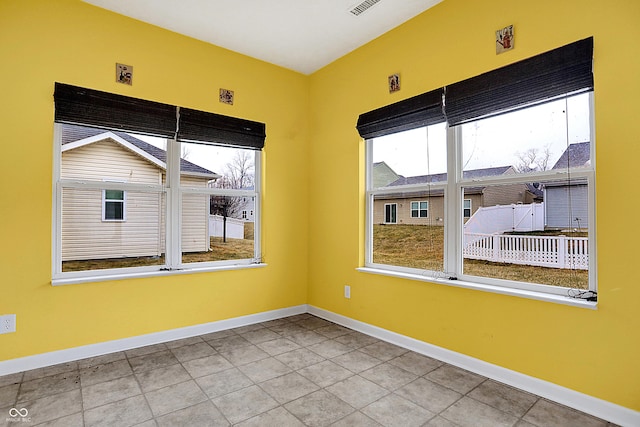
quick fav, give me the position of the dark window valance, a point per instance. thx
(565, 70)
(202, 126)
(81, 106)
(419, 111)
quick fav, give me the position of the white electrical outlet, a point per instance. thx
(7, 323)
(347, 291)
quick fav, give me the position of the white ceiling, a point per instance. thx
(302, 35)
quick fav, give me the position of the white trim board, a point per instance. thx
(76, 353)
(591, 405)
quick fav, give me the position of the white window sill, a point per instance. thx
(155, 273)
(540, 296)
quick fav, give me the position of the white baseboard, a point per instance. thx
(68, 355)
(591, 405)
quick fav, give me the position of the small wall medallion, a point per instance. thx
(504, 39)
(124, 74)
(394, 83)
(226, 96)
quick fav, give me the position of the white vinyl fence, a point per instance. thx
(235, 227)
(543, 251)
(501, 218)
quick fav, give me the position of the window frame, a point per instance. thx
(122, 201)
(454, 220)
(173, 193)
(419, 209)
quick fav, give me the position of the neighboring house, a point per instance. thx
(98, 224)
(247, 209)
(383, 175)
(566, 203)
(427, 207)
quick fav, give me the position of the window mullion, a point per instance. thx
(172, 243)
(452, 224)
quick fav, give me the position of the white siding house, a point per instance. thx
(98, 224)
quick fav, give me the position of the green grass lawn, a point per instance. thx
(421, 246)
(220, 251)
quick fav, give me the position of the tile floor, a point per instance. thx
(297, 371)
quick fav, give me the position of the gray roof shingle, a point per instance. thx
(576, 155)
(72, 133)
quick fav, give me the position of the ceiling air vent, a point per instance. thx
(362, 7)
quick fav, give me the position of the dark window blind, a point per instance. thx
(558, 72)
(88, 107)
(77, 105)
(199, 126)
(411, 113)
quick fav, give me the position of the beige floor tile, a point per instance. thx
(92, 362)
(388, 376)
(46, 386)
(53, 407)
(429, 395)
(468, 412)
(393, 410)
(50, 370)
(11, 379)
(333, 331)
(243, 355)
(383, 350)
(503, 397)
(440, 422)
(329, 348)
(152, 361)
(224, 382)
(203, 414)
(73, 420)
(278, 346)
(184, 341)
(8, 395)
(306, 338)
(357, 391)
(287, 329)
(356, 361)
(288, 387)
(549, 414)
(320, 408)
(325, 373)
(279, 417)
(206, 365)
(108, 371)
(416, 363)
(260, 336)
(244, 404)
(301, 358)
(455, 378)
(193, 351)
(174, 397)
(124, 413)
(357, 419)
(264, 369)
(162, 377)
(149, 349)
(109, 391)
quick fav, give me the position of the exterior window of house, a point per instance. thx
(113, 205)
(390, 213)
(466, 208)
(156, 198)
(419, 209)
(524, 168)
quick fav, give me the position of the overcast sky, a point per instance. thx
(491, 142)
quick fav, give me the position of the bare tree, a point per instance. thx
(239, 174)
(533, 159)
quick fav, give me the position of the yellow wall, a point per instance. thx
(594, 352)
(313, 180)
(68, 41)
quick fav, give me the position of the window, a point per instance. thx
(244, 214)
(466, 208)
(505, 163)
(113, 205)
(390, 213)
(150, 199)
(419, 209)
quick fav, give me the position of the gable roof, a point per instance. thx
(82, 135)
(442, 177)
(576, 155)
